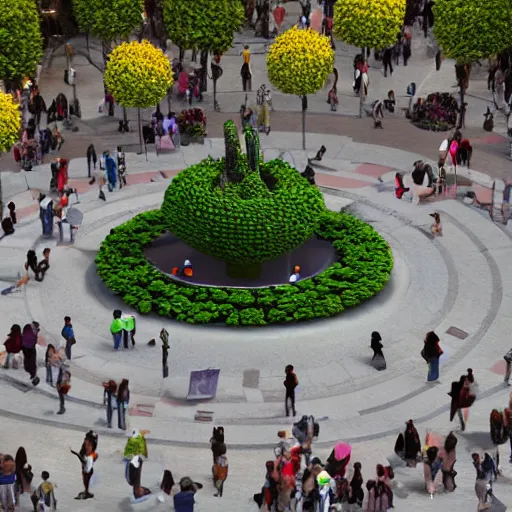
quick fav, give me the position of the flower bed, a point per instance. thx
(438, 112)
(192, 124)
(363, 268)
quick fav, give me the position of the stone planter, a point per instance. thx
(191, 139)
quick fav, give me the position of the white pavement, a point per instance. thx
(460, 280)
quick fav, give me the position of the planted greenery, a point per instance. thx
(245, 222)
(10, 122)
(369, 23)
(203, 24)
(138, 74)
(363, 267)
(21, 45)
(471, 30)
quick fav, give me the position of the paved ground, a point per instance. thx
(433, 286)
(458, 281)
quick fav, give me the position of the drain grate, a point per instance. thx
(457, 333)
(21, 386)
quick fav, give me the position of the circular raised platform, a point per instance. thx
(168, 251)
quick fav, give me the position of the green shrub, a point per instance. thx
(245, 222)
(362, 269)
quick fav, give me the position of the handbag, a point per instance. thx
(423, 355)
(508, 356)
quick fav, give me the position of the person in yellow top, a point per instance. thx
(245, 71)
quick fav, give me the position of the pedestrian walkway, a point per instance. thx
(433, 286)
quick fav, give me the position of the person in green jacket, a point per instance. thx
(129, 329)
(116, 328)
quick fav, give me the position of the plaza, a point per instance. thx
(458, 285)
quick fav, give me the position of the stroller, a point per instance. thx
(30, 155)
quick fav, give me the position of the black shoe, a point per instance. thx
(102, 196)
(92, 181)
(62, 411)
(35, 381)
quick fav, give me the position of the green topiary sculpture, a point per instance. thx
(227, 209)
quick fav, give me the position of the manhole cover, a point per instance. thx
(457, 333)
(251, 379)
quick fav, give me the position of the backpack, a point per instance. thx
(488, 464)
(499, 433)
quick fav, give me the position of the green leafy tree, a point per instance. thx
(369, 23)
(109, 20)
(21, 45)
(203, 24)
(470, 30)
(10, 122)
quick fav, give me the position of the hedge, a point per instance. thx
(363, 267)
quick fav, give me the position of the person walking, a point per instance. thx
(123, 401)
(109, 399)
(68, 334)
(45, 494)
(290, 383)
(220, 473)
(12, 344)
(507, 421)
(508, 361)
(463, 395)
(449, 459)
(28, 343)
(245, 71)
(387, 58)
(378, 361)
(116, 328)
(431, 353)
(49, 362)
(110, 171)
(92, 159)
(480, 483)
(63, 386)
(355, 492)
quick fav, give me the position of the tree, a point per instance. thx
(138, 75)
(471, 30)
(109, 20)
(299, 62)
(204, 25)
(368, 24)
(21, 44)
(10, 122)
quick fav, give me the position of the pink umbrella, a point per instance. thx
(342, 450)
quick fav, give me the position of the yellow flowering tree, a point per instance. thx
(369, 23)
(138, 75)
(10, 122)
(299, 62)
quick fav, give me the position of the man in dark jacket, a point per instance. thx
(290, 383)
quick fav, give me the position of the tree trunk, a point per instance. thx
(139, 127)
(304, 108)
(204, 71)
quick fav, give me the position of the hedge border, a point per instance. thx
(363, 268)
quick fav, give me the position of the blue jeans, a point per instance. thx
(433, 369)
(118, 336)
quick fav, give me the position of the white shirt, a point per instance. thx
(444, 145)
